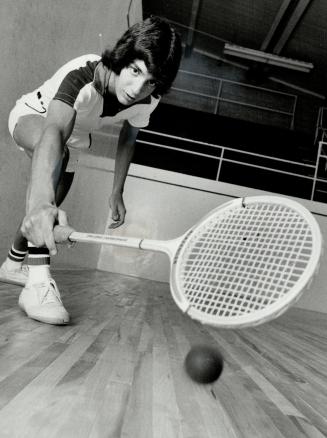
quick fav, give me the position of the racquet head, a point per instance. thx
(246, 262)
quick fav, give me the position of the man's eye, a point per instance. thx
(134, 70)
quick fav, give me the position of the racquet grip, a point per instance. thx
(62, 233)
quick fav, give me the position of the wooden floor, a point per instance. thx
(117, 370)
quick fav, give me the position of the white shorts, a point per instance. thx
(22, 109)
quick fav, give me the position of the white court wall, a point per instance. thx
(36, 38)
(160, 205)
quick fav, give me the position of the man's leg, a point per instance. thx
(40, 298)
(13, 270)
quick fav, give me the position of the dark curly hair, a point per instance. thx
(153, 41)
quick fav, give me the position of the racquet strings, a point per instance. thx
(246, 259)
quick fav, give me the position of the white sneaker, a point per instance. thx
(18, 276)
(41, 301)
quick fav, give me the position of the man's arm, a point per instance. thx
(125, 151)
(41, 209)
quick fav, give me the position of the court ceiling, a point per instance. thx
(295, 29)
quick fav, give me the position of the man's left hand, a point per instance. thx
(118, 210)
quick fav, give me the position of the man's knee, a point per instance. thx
(28, 131)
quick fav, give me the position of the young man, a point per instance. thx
(53, 123)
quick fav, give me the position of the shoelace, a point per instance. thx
(51, 294)
(24, 269)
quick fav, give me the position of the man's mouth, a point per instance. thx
(129, 98)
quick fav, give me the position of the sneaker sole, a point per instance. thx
(45, 320)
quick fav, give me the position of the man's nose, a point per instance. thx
(137, 87)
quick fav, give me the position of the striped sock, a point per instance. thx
(15, 255)
(15, 259)
(38, 264)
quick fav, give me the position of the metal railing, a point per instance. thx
(221, 152)
(218, 98)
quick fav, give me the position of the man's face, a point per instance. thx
(134, 83)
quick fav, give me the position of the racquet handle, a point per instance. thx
(66, 234)
(62, 234)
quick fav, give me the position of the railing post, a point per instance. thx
(220, 163)
(218, 96)
(293, 114)
(316, 171)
